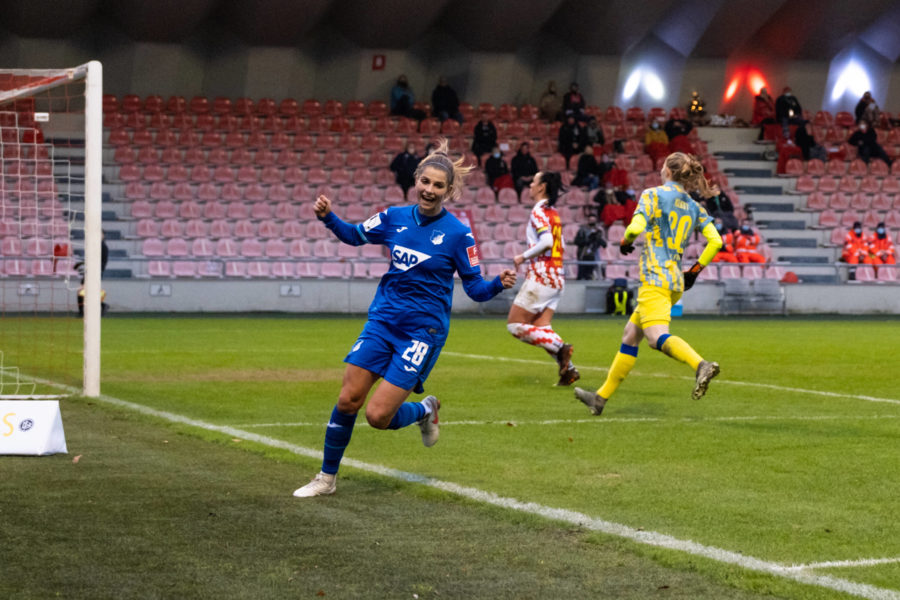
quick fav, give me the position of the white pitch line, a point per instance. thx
(718, 381)
(651, 538)
(863, 562)
(602, 421)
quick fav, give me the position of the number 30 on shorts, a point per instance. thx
(416, 353)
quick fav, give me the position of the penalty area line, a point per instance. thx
(556, 514)
(718, 381)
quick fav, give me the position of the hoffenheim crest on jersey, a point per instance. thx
(406, 258)
(437, 237)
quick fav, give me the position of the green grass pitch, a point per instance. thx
(791, 458)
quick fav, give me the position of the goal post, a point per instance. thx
(51, 152)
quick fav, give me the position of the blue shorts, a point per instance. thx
(402, 359)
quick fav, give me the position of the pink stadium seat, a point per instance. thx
(816, 201)
(860, 201)
(858, 168)
(285, 211)
(891, 185)
(864, 273)
(870, 184)
(881, 201)
(220, 228)
(196, 228)
(839, 201)
(887, 274)
(847, 184)
(171, 228)
(269, 229)
(827, 184)
(141, 209)
(849, 217)
(878, 168)
(177, 247)
(153, 247)
(226, 248)
(147, 228)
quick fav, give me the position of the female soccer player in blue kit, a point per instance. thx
(670, 216)
(409, 317)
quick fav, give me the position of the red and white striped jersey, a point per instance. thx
(546, 268)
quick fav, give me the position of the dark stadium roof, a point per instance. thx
(799, 29)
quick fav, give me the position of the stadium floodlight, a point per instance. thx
(853, 79)
(51, 128)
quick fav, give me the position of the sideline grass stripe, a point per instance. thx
(603, 421)
(557, 514)
(719, 381)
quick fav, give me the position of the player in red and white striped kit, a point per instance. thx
(532, 310)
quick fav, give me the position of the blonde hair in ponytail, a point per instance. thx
(688, 171)
(456, 171)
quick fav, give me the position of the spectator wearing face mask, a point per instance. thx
(856, 248)
(726, 254)
(881, 248)
(497, 171)
(866, 142)
(746, 245)
(656, 141)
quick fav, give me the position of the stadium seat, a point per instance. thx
(870, 184)
(827, 184)
(219, 229)
(196, 228)
(887, 274)
(816, 201)
(153, 247)
(171, 228)
(864, 273)
(849, 217)
(839, 201)
(255, 193)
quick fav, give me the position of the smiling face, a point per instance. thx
(431, 189)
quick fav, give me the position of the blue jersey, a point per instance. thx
(416, 293)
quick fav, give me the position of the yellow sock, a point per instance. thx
(621, 366)
(679, 349)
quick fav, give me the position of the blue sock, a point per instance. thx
(337, 436)
(407, 414)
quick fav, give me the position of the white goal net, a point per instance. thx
(50, 219)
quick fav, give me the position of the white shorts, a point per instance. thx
(535, 297)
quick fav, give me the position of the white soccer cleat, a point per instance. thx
(429, 425)
(322, 484)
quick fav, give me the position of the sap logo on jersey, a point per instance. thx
(406, 258)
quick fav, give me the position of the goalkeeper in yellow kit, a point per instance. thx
(669, 216)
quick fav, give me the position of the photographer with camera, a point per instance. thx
(588, 239)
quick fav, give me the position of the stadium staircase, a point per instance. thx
(795, 245)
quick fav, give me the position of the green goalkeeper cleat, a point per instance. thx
(705, 372)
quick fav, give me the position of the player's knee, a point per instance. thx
(377, 420)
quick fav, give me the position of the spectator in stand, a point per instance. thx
(763, 111)
(678, 130)
(746, 244)
(445, 102)
(856, 248)
(696, 109)
(881, 248)
(403, 100)
(720, 206)
(788, 111)
(805, 140)
(866, 142)
(594, 133)
(404, 167)
(550, 104)
(574, 104)
(572, 138)
(604, 166)
(656, 141)
(867, 110)
(587, 240)
(485, 137)
(619, 207)
(586, 173)
(726, 254)
(497, 171)
(523, 167)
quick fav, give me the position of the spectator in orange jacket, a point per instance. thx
(881, 247)
(746, 244)
(856, 248)
(726, 254)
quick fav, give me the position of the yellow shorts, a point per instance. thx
(654, 306)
